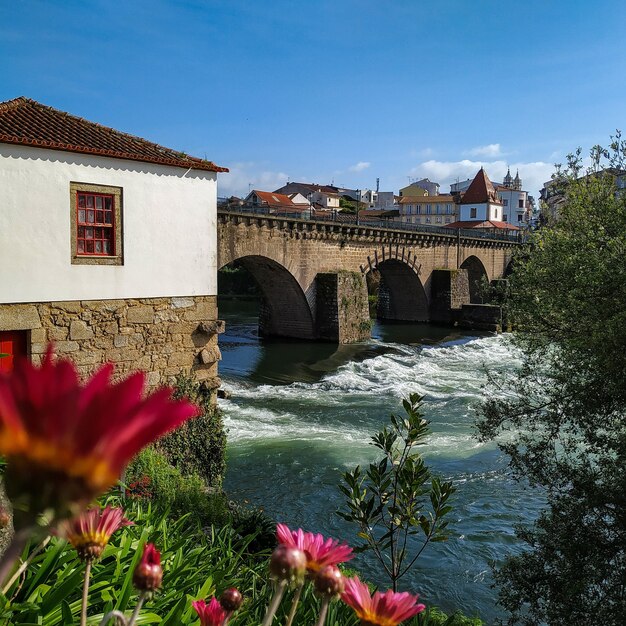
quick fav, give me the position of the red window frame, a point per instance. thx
(13, 343)
(95, 224)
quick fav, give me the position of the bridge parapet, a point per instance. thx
(348, 226)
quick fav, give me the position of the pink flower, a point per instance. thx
(148, 574)
(211, 614)
(319, 552)
(381, 609)
(90, 532)
(67, 442)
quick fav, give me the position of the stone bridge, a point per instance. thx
(313, 274)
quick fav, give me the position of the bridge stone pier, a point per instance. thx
(313, 274)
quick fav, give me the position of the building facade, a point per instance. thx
(434, 210)
(108, 245)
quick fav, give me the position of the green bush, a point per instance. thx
(199, 445)
(150, 477)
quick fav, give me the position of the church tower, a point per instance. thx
(517, 182)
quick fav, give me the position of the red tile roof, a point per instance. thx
(26, 122)
(276, 200)
(481, 190)
(488, 224)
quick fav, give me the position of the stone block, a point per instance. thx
(180, 359)
(203, 311)
(153, 379)
(63, 347)
(38, 335)
(58, 333)
(19, 317)
(210, 354)
(212, 327)
(120, 341)
(140, 315)
(70, 306)
(182, 303)
(80, 331)
(87, 357)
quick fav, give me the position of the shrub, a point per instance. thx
(199, 445)
(149, 476)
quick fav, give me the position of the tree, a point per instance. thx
(398, 498)
(564, 411)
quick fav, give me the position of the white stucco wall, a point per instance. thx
(169, 228)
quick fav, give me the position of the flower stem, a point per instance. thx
(323, 610)
(135, 614)
(294, 605)
(118, 615)
(13, 551)
(83, 606)
(25, 564)
(274, 604)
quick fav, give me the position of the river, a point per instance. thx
(303, 413)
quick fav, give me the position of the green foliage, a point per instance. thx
(435, 617)
(195, 565)
(397, 499)
(199, 445)
(235, 280)
(150, 477)
(564, 412)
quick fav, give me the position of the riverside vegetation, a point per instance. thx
(155, 551)
(564, 412)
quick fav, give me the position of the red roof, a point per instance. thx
(276, 200)
(26, 122)
(488, 224)
(481, 190)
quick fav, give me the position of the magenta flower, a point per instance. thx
(381, 609)
(66, 441)
(148, 574)
(90, 531)
(319, 552)
(211, 614)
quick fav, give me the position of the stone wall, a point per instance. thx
(450, 290)
(162, 336)
(342, 307)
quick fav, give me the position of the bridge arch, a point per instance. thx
(401, 295)
(284, 310)
(477, 274)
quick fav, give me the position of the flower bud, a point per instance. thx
(231, 599)
(148, 574)
(288, 564)
(329, 582)
(5, 518)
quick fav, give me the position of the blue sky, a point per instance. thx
(332, 90)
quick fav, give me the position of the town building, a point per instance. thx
(481, 201)
(420, 187)
(108, 247)
(434, 210)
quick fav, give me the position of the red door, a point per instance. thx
(12, 344)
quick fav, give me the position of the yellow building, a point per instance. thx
(434, 210)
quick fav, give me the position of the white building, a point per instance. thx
(108, 246)
(481, 203)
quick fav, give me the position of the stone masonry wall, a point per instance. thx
(342, 307)
(162, 336)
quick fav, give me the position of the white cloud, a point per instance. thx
(490, 150)
(360, 166)
(533, 174)
(245, 176)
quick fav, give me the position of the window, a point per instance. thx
(438, 219)
(428, 209)
(448, 209)
(448, 220)
(427, 220)
(505, 218)
(472, 212)
(520, 203)
(96, 222)
(505, 202)
(13, 344)
(519, 218)
(418, 209)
